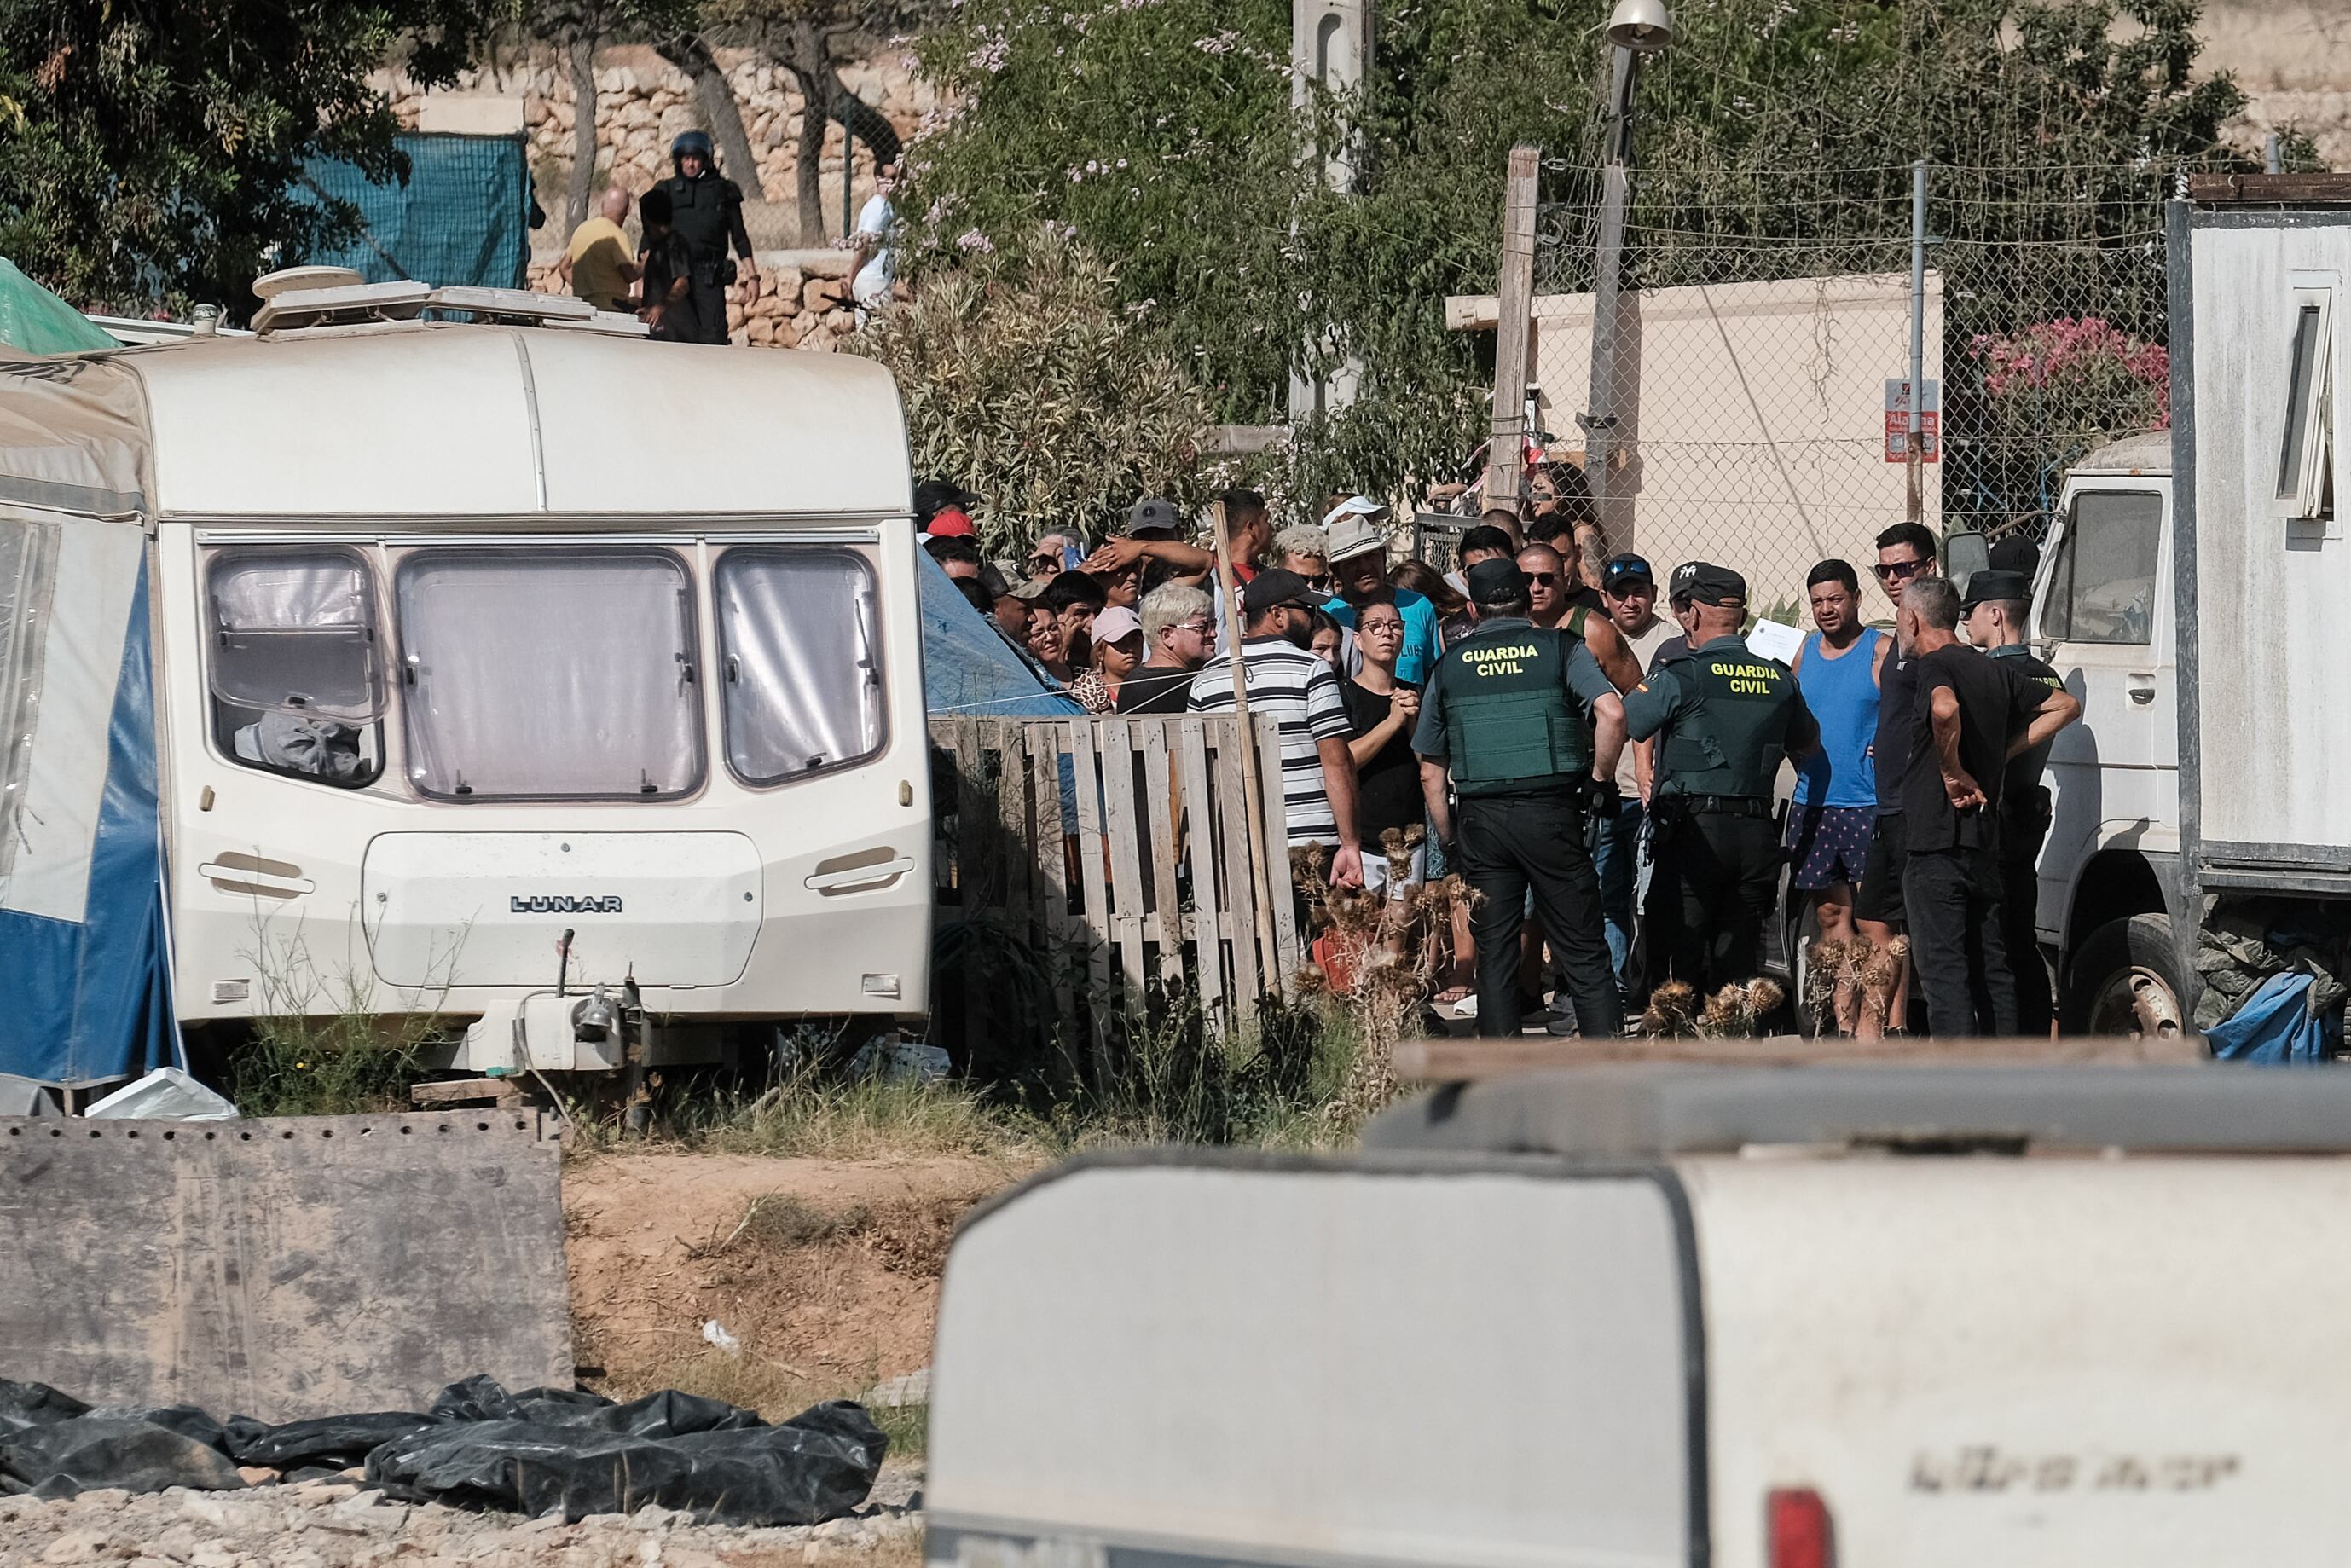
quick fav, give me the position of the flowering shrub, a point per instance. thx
(2080, 364)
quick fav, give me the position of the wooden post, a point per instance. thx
(1260, 867)
(1506, 453)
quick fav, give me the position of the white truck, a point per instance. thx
(1619, 1317)
(2194, 594)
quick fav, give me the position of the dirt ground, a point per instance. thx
(825, 1273)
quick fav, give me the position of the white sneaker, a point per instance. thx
(1467, 1008)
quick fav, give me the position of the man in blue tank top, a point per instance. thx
(1836, 787)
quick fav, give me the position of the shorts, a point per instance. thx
(1829, 844)
(1377, 877)
(1880, 898)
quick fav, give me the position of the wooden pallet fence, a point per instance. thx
(1102, 858)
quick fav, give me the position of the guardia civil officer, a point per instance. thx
(1507, 724)
(707, 211)
(1994, 608)
(1726, 717)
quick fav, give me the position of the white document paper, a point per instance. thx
(1770, 640)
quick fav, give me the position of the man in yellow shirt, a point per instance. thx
(600, 264)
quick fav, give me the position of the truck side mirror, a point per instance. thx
(1964, 555)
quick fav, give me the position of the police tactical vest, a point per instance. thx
(700, 213)
(1511, 726)
(1734, 736)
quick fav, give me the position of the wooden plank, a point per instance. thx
(1008, 737)
(1128, 850)
(1514, 318)
(2269, 187)
(1451, 1061)
(1093, 890)
(974, 884)
(1052, 859)
(460, 1091)
(1471, 312)
(1285, 957)
(1201, 852)
(1164, 803)
(1239, 886)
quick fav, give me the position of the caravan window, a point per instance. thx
(2305, 456)
(296, 682)
(549, 673)
(799, 635)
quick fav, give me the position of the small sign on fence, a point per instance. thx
(1898, 422)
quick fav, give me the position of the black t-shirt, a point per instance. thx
(1899, 727)
(1152, 690)
(664, 260)
(1387, 788)
(1993, 706)
(2025, 768)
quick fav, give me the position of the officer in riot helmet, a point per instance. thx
(706, 213)
(1727, 718)
(1507, 726)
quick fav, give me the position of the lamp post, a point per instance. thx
(1635, 28)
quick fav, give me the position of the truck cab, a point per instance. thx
(2102, 615)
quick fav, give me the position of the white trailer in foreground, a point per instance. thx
(496, 664)
(1885, 1318)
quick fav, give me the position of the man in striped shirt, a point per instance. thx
(1318, 773)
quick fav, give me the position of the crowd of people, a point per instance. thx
(1586, 746)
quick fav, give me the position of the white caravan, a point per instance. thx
(505, 663)
(1637, 1317)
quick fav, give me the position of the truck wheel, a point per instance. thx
(2125, 980)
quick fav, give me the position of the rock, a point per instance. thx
(258, 1475)
(819, 294)
(102, 1497)
(655, 1516)
(77, 1546)
(318, 1494)
(217, 1555)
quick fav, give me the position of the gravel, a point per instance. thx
(343, 1523)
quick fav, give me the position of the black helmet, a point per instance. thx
(695, 142)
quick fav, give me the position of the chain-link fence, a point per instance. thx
(462, 216)
(1764, 312)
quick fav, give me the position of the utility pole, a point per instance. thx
(1330, 52)
(1513, 324)
(1916, 506)
(1637, 27)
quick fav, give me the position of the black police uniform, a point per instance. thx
(1729, 718)
(2024, 812)
(1507, 710)
(707, 211)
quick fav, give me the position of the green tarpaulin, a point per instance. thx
(36, 321)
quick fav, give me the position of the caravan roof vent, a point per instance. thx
(340, 300)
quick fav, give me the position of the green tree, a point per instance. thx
(1031, 385)
(1772, 137)
(149, 149)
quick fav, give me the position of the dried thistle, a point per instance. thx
(1762, 996)
(1672, 1007)
(1724, 1015)
(1824, 973)
(1881, 971)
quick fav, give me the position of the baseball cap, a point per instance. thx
(1030, 588)
(1703, 583)
(1495, 583)
(1274, 587)
(1624, 569)
(1987, 585)
(1351, 536)
(2017, 554)
(1116, 625)
(954, 523)
(1354, 506)
(1153, 515)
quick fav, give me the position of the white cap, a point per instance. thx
(1352, 537)
(1115, 624)
(1354, 507)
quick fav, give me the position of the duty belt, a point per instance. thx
(1725, 805)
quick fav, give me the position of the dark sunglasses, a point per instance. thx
(1545, 577)
(1900, 569)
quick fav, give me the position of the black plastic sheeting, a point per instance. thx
(542, 1451)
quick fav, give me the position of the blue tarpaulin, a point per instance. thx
(89, 997)
(462, 219)
(968, 666)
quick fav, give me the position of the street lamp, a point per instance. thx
(1635, 28)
